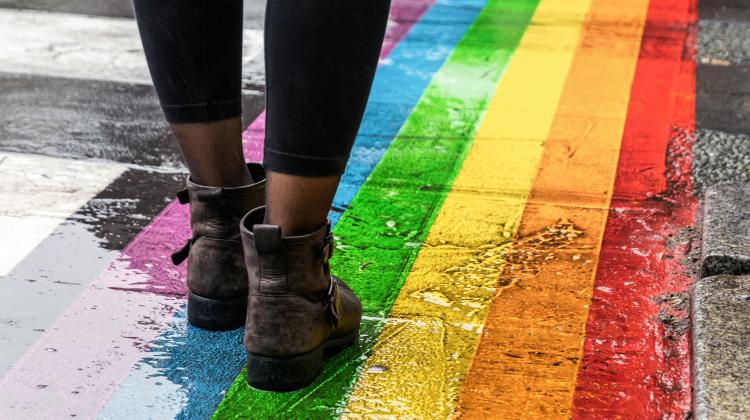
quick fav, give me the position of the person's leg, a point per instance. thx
(321, 57)
(194, 52)
(299, 204)
(213, 152)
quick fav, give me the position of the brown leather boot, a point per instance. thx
(297, 311)
(217, 278)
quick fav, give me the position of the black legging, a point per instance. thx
(320, 57)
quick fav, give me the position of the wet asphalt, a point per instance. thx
(117, 8)
(722, 148)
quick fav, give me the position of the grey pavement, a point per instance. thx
(721, 174)
(253, 12)
(720, 157)
(723, 40)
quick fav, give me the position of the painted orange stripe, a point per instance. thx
(526, 363)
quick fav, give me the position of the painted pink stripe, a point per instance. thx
(81, 359)
(402, 16)
(252, 139)
(86, 353)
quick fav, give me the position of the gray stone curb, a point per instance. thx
(721, 307)
(725, 245)
(721, 347)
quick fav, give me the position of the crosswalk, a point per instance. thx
(77, 110)
(65, 99)
(516, 212)
(85, 156)
(39, 193)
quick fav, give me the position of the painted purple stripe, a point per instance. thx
(80, 361)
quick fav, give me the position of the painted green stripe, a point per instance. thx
(379, 235)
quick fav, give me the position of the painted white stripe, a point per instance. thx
(38, 193)
(20, 235)
(90, 47)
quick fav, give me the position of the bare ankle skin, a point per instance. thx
(299, 204)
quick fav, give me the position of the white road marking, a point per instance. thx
(90, 47)
(38, 193)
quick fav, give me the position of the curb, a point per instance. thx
(721, 347)
(725, 243)
(721, 307)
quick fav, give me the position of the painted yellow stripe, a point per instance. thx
(426, 346)
(526, 363)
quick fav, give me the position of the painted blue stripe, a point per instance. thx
(187, 370)
(398, 86)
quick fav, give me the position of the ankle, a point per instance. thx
(213, 152)
(299, 204)
(294, 226)
(236, 176)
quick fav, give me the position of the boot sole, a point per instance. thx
(283, 374)
(216, 314)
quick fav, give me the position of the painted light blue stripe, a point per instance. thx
(398, 85)
(187, 370)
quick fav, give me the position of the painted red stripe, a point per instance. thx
(636, 361)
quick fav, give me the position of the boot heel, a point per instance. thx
(283, 373)
(215, 314)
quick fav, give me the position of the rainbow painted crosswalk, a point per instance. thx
(507, 219)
